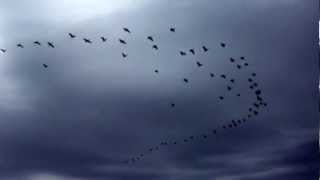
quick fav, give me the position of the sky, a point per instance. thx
(92, 109)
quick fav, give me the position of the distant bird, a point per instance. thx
(214, 131)
(45, 65)
(239, 121)
(20, 45)
(205, 49)
(204, 136)
(230, 125)
(242, 58)
(72, 35)
(223, 45)
(87, 40)
(173, 29)
(259, 98)
(246, 64)
(250, 80)
(50, 44)
(155, 47)
(199, 64)
(251, 87)
(211, 75)
(229, 88)
(37, 43)
(255, 84)
(250, 109)
(3, 50)
(232, 80)
(127, 30)
(150, 38)
(103, 39)
(255, 112)
(150, 150)
(175, 142)
(182, 53)
(124, 55)
(185, 80)
(239, 66)
(221, 97)
(185, 140)
(192, 51)
(191, 137)
(223, 76)
(156, 71)
(232, 60)
(253, 74)
(258, 92)
(224, 127)
(256, 105)
(238, 95)
(122, 41)
(173, 104)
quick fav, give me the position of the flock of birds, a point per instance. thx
(253, 110)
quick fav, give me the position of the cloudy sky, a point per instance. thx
(91, 109)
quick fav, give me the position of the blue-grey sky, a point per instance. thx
(91, 109)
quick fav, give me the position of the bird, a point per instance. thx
(250, 109)
(214, 131)
(127, 30)
(255, 84)
(242, 58)
(223, 45)
(230, 125)
(37, 43)
(250, 80)
(124, 55)
(3, 50)
(238, 95)
(182, 53)
(72, 35)
(185, 140)
(103, 39)
(246, 64)
(156, 71)
(205, 49)
(258, 92)
(251, 87)
(239, 66)
(50, 44)
(192, 51)
(122, 41)
(232, 60)
(229, 88)
(173, 104)
(232, 80)
(87, 40)
(191, 137)
(45, 65)
(175, 142)
(173, 29)
(199, 64)
(223, 76)
(253, 74)
(155, 47)
(20, 45)
(221, 97)
(211, 75)
(185, 80)
(255, 112)
(150, 38)
(204, 136)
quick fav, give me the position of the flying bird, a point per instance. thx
(87, 40)
(253, 74)
(156, 71)
(258, 92)
(173, 104)
(45, 65)
(50, 44)
(127, 30)
(238, 95)
(232, 80)
(232, 60)
(246, 64)
(221, 97)
(182, 53)
(223, 76)
(37, 43)
(229, 88)
(150, 38)
(173, 29)
(239, 66)
(103, 39)
(72, 35)
(192, 51)
(3, 50)
(185, 80)
(122, 41)
(20, 45)
(211, 75)
(199, 64)
(242, 58)
(250, 80)
(223, 45)
(155, 47)
(205, 49)
(124, 55)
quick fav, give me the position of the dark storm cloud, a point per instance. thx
(91, 109)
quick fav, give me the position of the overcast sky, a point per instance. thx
(91, 109)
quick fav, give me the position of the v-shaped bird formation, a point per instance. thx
(239, 63)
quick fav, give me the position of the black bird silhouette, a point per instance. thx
(251, 87)
(192, 51)
(255, 112)
(223, 76)
(72, 35)
(232, 60)
(122, 41)
(211, 75)
(191, 137)
(182, 53)
(239, 66)
(229, 88)
(221, 97)
(175, 142)
(3, 50)
(20, 45)
(246, 64)
(173, 104)
(103, 39)
(173, 29)
(155, 47)
(204, 136)
(199, 64)
(127, 30)
(185, 80)
(214, 131)
(156, 71)
(87, 40)
(124, 55)
(45, 65)
(238, 95)
(255, 84)
(250, 80)
(232, 80)
(205, 49)
(150, 38)
(253, 74)
(185, 140)
(258, 92)
(37, 43)
(222, 44)
(50, 44)
(242, 58)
